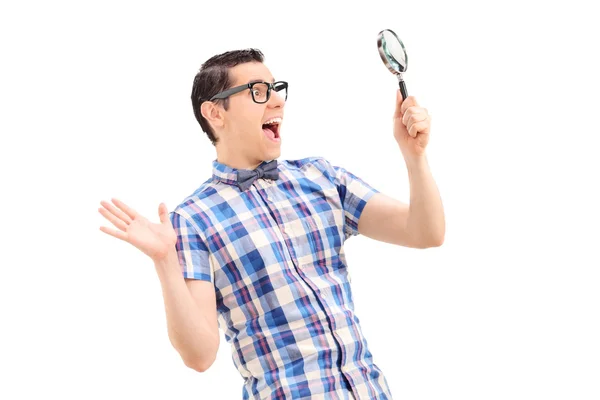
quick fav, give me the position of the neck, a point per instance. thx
(236, 160)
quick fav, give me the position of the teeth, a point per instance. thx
(273, 121)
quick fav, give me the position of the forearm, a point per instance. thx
(426, 221)
(190, 332)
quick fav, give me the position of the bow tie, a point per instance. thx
(245, 177)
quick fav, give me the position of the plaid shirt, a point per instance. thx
(275, 256)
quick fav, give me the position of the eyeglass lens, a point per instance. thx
(260, 92)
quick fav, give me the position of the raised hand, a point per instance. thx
(155, 240)
(412, 125)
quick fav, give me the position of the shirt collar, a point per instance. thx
(225, 173)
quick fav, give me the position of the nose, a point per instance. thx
(276, 100)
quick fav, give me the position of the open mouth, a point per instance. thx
(271, 129)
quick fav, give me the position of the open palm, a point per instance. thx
(154, 239)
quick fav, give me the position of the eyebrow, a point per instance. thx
(260, 80)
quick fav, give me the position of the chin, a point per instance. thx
(269, 150)
(273, 154)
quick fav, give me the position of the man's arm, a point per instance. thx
(420, 224)
(190, 306)
(191, 311)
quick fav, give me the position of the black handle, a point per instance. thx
(403, 90)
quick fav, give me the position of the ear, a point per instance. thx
(212, 113)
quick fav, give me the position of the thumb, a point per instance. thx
(399, 100)
(163, 213)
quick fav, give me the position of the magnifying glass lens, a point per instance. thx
(393, 55)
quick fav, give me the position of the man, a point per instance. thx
(257, 249)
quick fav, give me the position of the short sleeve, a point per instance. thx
(354, 194)
(192, 251)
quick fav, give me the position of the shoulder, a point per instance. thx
(314, 169)
(301, 162)
(306, 164)
(195, 206)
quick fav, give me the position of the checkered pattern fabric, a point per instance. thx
(276, 258)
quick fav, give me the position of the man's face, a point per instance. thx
(245, 119)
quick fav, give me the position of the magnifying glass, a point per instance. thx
(393, 55)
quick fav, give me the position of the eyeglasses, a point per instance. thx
(261, 91)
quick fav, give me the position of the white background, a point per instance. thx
(95, 104)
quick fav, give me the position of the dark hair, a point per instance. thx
(213, 77)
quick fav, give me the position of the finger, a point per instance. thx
(163, 213)
(399, 99)
(115, 233)
(410, 101)
(412, 115)
(128, 210)
(116, 212)
(419, 127)
(412, 131)
(114, 220)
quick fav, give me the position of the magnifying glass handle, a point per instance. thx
(403, 89)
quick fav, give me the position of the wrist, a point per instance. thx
(167, 260)
(415, 161)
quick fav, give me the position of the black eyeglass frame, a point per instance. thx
(271, 86)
